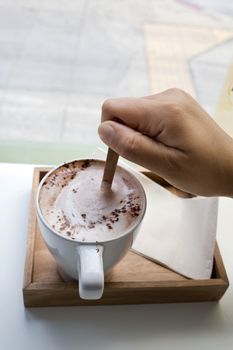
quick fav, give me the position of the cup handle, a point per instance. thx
(90, 271)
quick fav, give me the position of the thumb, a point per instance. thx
(138, 148)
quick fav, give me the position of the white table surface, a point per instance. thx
(166, 326)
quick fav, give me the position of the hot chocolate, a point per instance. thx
(74, 205)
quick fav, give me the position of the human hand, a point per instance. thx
(170, 134)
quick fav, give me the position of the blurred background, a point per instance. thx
(59, 60)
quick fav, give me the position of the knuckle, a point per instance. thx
(175, 109)
(176, 92)
(176, 102)
(107, 107)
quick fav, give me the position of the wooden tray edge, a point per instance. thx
(35, 294)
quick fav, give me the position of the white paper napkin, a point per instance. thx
(177, 232)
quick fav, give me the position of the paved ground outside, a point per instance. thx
(59, 60)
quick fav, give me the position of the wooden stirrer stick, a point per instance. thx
(109, 169)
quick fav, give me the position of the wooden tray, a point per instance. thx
(135, 280)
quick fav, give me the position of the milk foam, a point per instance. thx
(73, 204)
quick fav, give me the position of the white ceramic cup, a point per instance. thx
(88, 262)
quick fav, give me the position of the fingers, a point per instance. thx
(146, 114)
(138, 148)
(141, 114)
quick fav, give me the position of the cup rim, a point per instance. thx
(56, 233)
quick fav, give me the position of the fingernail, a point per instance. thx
(106, 132)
